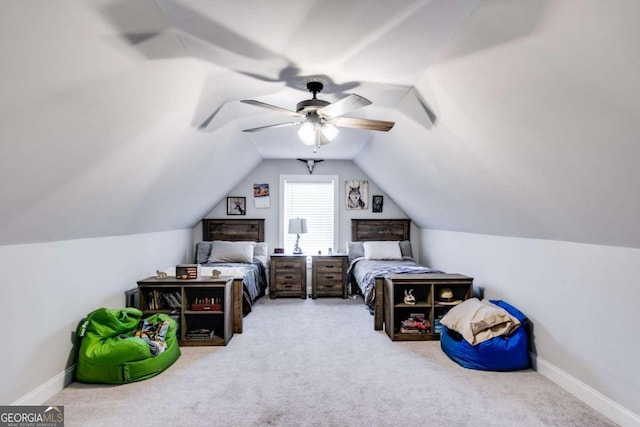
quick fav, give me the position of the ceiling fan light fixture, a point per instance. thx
(329, 131)
(307, 133)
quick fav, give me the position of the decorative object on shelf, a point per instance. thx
(408, 297)
(161, 274)
(357, 194)
(377, 203)
(236, 205)
(278, 250)
(187, 271)
(297, 226)
(215, 273)
(445, 294)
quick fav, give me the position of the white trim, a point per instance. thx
(45, 391)
(588, 395)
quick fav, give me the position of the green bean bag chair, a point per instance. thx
(118, 346)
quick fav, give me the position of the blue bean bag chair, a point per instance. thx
(501, 353)
(118, 346)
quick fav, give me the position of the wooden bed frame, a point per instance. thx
(363, 230)
(235, 230)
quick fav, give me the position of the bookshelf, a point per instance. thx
(429, 306)
(202, 307)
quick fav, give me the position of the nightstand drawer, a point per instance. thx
(287, 280)
(324, 279)
(331, 266)
(333, 289)
(288, 266)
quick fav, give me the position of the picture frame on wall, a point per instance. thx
(357, 194)
(376, 205)
(236, 205)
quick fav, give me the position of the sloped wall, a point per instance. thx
(582, 300)
(48, 288)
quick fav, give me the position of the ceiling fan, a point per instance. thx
(322, 118)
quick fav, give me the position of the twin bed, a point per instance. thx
(367, 268)
(236, 247)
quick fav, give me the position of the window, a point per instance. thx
(314, 199)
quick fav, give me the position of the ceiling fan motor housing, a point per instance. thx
(310, 105)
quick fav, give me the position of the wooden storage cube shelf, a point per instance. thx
(426, 290)
(189, 293)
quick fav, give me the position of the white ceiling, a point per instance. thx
(512, 118)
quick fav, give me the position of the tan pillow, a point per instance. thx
(478, 321)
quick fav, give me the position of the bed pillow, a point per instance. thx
(382, 250)
(355, 250)
(261, 249)
(223, 251)
(203, 250)
(405, 249)
(478, 321)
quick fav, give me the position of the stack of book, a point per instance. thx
(415, 324)
(200, 334)
(437, 326)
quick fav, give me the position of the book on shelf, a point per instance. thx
(200, 334)
(158, 300)
(415, 326)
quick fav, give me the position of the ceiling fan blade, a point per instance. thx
(344, 106)
(350, 122)
(271, 107)
(279, 125)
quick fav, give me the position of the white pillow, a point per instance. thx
(223, 251)
(261, 249)
(382, 250)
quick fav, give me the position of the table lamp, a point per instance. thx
(297, 226)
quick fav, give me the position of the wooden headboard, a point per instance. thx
(235, 230)
(363, 230)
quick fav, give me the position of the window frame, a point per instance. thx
(308, 178)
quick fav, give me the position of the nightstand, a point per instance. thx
(329, 276)
(288, 276)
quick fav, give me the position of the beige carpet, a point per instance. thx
(320, 363)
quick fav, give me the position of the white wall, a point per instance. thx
(269, 172)
(582, 300)
(48, 288)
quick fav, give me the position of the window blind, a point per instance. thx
(313, 201)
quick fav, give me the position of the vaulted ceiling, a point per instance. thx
(513, 117)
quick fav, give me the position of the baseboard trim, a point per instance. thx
(48, 389)
(588, 395)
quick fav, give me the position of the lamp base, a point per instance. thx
(297, 250)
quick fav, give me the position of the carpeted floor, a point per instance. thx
(320, 363)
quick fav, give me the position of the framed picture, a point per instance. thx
(357, 193)
(377, 203)
(236, 205)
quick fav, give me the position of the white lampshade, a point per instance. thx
(297, 226)
(307, 133)
(329, 131)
